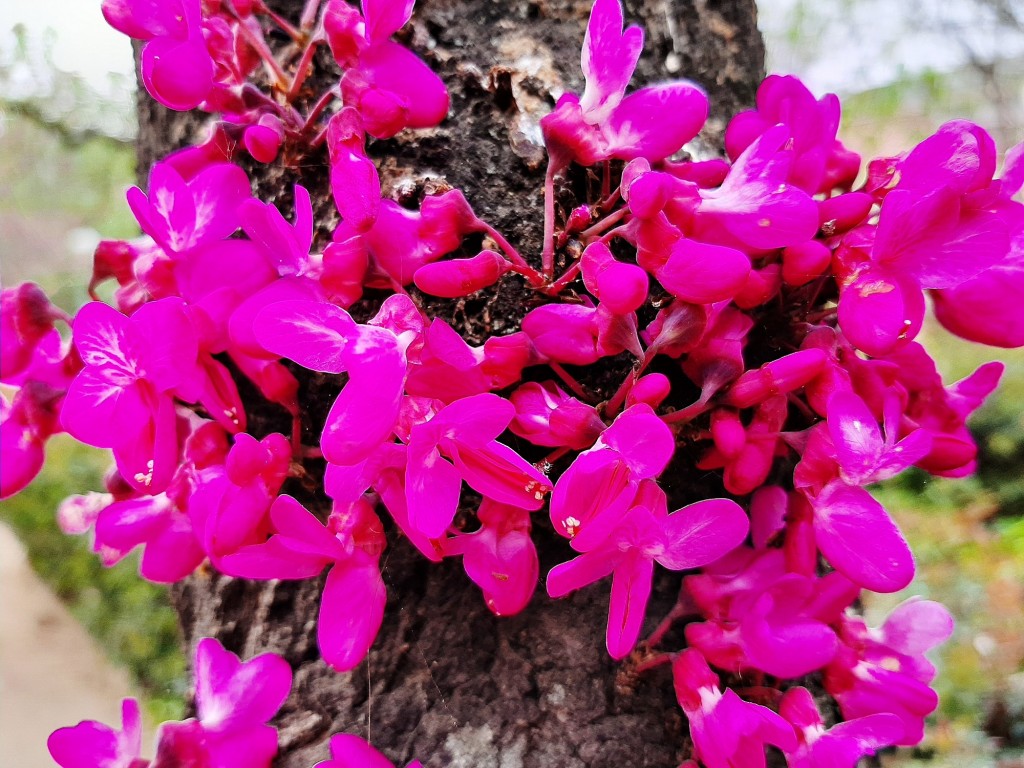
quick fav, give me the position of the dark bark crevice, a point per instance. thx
(446, 681)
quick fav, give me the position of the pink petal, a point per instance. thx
(631, 587)
(313, 334)
(645, 442)
(701, 273)
(701, 533)
(581, 571)
(860, 540)
(350, 751)
(178, 74)
(856, 436)
(385, 17)
(880, 310)
(461, 277)
(637, 128)
(916, 626)
(608, 60)
(433, 488)
(397, 73)
(351, 612)
(232, 694)
(499, 473)
(364, 415)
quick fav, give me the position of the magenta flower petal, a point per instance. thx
(351, 612)
(232, 694)
(349, 751)
(701, 273)
(645, 442)
(94, 745)
(608, 59)
(631, 587)
(385, 17)
(916, 626)
(701, 533)
(637, 128)
(178, 74)
(313, 334)
(461, 277)
(499, 473)
(579, 572)
(860, 540)
(433, 488)
(397, 73)
(364, 414)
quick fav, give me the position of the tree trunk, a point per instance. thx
(446, 681)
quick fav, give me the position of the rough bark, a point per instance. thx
(446, 680)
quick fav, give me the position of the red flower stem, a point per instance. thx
(688, 413)
(259, 44)
(555, 455)
(548, 254)
(302, 68)
(653, 662)
(612, 406)
(609, 200)
(573, 385)
(535, 278)
(611, 234)
(295, 34)
(684, 607)
(604, 223)
(309, 14)
(567, 277)
(506, 246)
(319, 107)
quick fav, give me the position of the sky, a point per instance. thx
(844, 46)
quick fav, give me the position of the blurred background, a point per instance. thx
(76, 637)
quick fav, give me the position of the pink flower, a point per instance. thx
(352, 604)
(123, 398)
(349, 751)
(390, 86)
(687, 538)
(842, 745)
(605, 123)
(234, 700)
(94, 745)
(499, 557)
(727, 732)
(595, 492)
(177, 69)
(460, 444)
(323, 337)
(885, 669)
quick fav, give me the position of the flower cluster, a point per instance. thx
(766, 307)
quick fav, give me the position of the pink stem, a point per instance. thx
(259, 44)
(612, 406)
(604, 223)
(606, 179)
(653, 662)
(548, 254)
(302, 69)
(319, 107)
(295, 34)
(684, 607)
(309, 13)
(573, 385)
(567, 277)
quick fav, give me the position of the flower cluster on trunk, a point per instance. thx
(676, 265)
